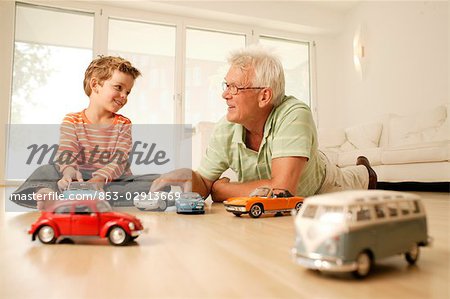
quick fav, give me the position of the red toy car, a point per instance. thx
(85, 218)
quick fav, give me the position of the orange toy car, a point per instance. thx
(264, 200)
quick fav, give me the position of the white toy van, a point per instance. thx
(347, 231)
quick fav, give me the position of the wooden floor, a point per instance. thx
(215, 255)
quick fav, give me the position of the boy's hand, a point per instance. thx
(99, 180)
(69, 174)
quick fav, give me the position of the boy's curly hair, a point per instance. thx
(103, 68)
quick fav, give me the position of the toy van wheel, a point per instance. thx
(364, 264)
(413, 254)
(46, 235)
(141, 209)
(298, 206)
(118, 236)
(256, 211)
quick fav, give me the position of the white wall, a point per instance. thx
(327, 58)
(406, 56)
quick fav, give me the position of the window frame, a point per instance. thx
(102, 14)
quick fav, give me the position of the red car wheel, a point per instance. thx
(118, 236)
(46, 234)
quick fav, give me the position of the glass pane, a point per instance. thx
(206, 67)
(332, 214)
(49, 64)
(362, 213)
(151, 49)
(294, 56)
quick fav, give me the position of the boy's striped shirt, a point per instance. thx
(103, 149)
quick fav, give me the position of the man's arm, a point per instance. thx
(201, 185)
(286, 172)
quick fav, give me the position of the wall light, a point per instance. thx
(359, 52)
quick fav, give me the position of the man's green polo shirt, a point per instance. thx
(289, 132)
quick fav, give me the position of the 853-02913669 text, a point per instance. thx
(102, 195)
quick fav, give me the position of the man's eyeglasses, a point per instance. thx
(233, 89)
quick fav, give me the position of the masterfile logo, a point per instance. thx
(153, 149)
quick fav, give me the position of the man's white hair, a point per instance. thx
(267, 68)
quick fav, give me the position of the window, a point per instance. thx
(206, 67)
(379, 211)
(295, 58)
(362, 213)
(63, 210)
(182, 65)
(331, 214)
(392, 209)
(83, 210)
(151, 48)
(103, 207)
(49, 63)
(416, 208)
(404, 207)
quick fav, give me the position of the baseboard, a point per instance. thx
(415, 186)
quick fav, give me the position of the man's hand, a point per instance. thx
(186, 178)
(179, 177)
(69, 174)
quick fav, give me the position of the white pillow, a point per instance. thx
(428, 125)
(403, 130)
(432, 118)
(347, 146)
(365, 135)
(438, 133)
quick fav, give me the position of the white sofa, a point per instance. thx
(411, 148)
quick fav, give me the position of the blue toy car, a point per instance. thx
(190, 202)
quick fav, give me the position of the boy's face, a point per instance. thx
(112, 95)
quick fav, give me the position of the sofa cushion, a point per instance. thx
(365, 135)
(429, 125)
(437, 133)
(416, 153)
(347, 146)
(349, 158)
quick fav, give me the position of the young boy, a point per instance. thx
(94, 143)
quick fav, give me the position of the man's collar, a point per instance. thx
(238, 135)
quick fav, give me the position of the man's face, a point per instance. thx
(242, 106)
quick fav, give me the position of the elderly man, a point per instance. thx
(267, 138)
